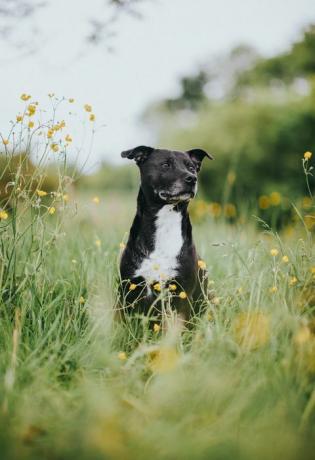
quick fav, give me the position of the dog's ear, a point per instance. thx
(197, 155)
(139, 154)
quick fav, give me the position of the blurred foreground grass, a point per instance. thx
(75, 384)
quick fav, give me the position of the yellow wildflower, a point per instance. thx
(202, 264)
(273, 289)
(65, 197)
(307, 202)
(92, 117)
(292, 280)
(231, 177)
(157, 287)
(264, 202)
(87, 107)
(122, 356)
(122, 245)
(62, 124)
(313, 270)
(132, 287)
(25, 97)
(51, 210)
(54, 147)
(41, 193)
(182, 295)
(98, 243)
(215, 209)
(96, 200)
(274, 252)
(275, 198)
(285, 259)
(50, 133)
(215, 300)
(156, 328)
(200, 209)
(31, 124)
(251, 330)
(309, 221)
(68, 138)
(3, 215)
(5, 141)
(81, 300)
(71, 100)
(307, 155)
(163, 360)
(230, 210)
(19, 118)
(172, 287)
(302, 336)
(31, 110)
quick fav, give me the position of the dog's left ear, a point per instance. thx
(197, 155)
(139, 154)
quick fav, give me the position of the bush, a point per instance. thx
(19, 172)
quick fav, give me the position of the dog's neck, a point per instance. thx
(147, 211)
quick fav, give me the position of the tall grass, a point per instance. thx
(77, 384)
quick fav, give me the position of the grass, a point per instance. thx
(76, 384)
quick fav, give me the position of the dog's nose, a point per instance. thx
(191, 179)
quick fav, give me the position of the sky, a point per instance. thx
(149, 55)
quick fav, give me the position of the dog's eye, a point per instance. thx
(165, 165)
(190, 167)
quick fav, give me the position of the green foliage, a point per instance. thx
(192, 93)
(258, 132)
(109, 177)
(18, 172)
(262, 143)
(297, 62)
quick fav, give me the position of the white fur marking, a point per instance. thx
(162, 262)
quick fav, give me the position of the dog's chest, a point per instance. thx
(162, 263)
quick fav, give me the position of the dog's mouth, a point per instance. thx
(175, 198)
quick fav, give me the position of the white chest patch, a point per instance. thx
(162, 262)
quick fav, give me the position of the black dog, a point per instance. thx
(160, 255)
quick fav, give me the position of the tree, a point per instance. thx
(17, 13)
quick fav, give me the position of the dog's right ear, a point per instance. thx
(139, 154)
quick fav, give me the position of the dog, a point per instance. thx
(160, 255)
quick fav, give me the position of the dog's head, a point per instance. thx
(168, 176)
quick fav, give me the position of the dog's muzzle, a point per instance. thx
(174, 198)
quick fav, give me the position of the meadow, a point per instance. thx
(75, 383)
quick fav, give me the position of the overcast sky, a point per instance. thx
(149, 57)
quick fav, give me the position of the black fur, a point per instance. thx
(160, 185)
